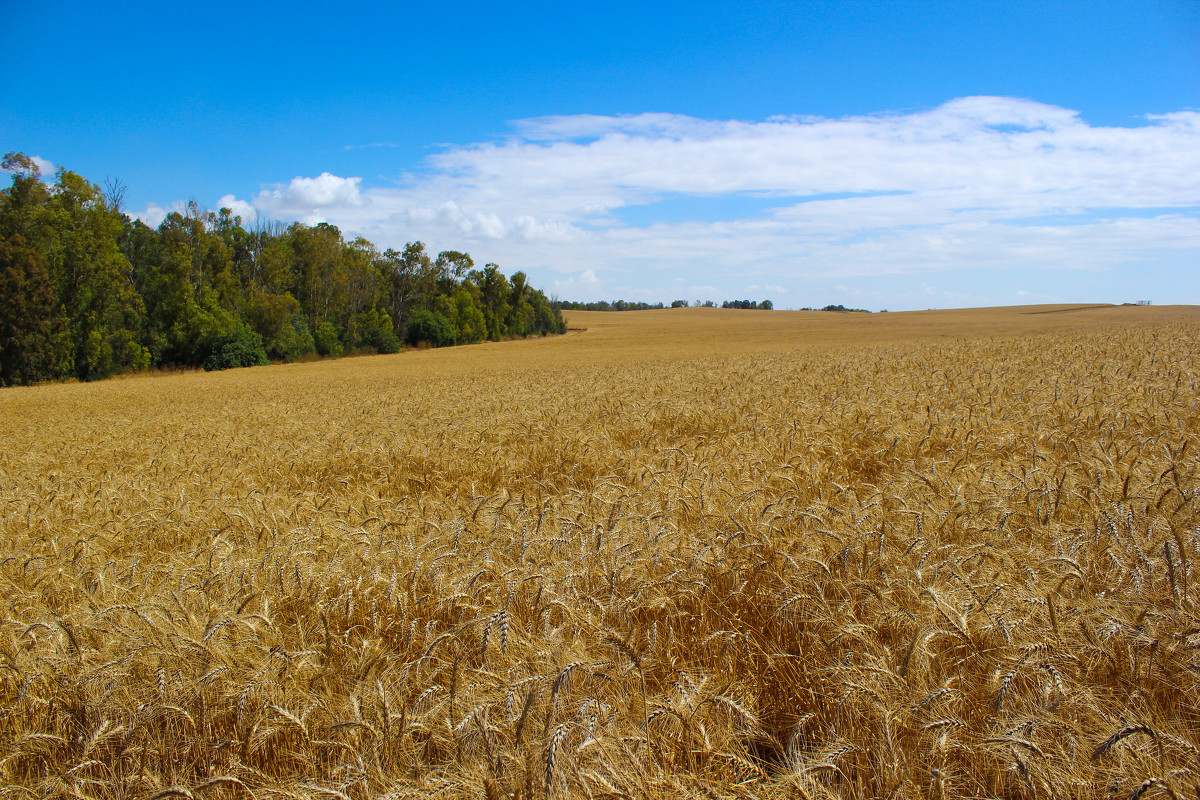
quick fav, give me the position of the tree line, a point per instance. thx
(839, 307)
(765, 305)
(604, 305)
(629, 305)
(87, 292)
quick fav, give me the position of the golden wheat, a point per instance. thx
(942, 556)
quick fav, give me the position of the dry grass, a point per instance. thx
(698, 553)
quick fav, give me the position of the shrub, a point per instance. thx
(294, 340)
(375, 332)
(430, 327)
(327, 341)
(238, 347)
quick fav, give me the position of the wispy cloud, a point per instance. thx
(977, 183)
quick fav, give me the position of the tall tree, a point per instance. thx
(320, 272)
(454, 264)
(32, 347)
(411, 279)
(495, 292)
(35, 337)
(362, 285)
(94, 280)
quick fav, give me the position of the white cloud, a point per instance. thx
(45, 167)
(311, 200)
(154, 214)
(240, 208)
(978, 182)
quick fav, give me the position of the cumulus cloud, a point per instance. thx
(976, 183)
(153, 214)
(45, 167)
(311, 200)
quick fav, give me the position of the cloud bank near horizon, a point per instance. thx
(654, 204)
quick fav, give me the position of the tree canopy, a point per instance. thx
(87, 292)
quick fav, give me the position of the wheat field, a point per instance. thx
(686, 553)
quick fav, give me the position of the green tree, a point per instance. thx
(185, 313)
(320, 272)
(88, 292)
(462, 309)
(35, 341)
(31, 348)
(521, 318)
(547, 318)
(275, 266)
(295, 341)
(237, 347)
(411, 280)
(93, 280)
(362, 285)
(270, 316)
(456, 264)
(375, 332)
(429, 327)
(494, 290)
(326, 339)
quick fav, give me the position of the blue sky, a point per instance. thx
(885, 155)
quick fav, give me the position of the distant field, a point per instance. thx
(675, 553)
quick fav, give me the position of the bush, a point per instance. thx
(239, 347)
(294, 340)
(375, 332)
(326, 340)
(430, 327)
